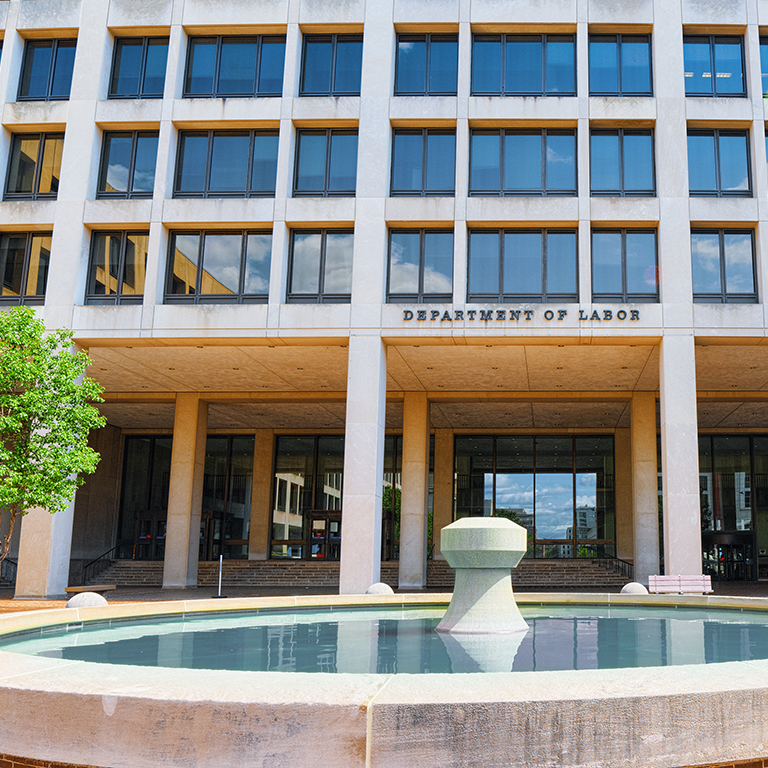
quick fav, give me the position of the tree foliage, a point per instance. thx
(45, 417)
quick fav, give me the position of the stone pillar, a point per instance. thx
(43, 564)
(185, 493)
(258, 541)
(442, 505)
(680, 456)
(413, 501)
(624, 508)
(363, 465)
(645, 505)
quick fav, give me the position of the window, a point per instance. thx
(621, 163)
(522, 162)
(226, 164)
(620, 65)
(46, 73)
(714, 65)
(718, 164)
(320, 268)
(117, 268)
(138, 69)
(426, 65)
(423, 162)
(34, 167)
(764, 63)
(235, 66)
(524, 65)
(723, 266)
(326, 163)
(331, 65)
(420, 266)
(24, 258)
(128, 165)
(219, 267)
(624, 266)
(522, 265)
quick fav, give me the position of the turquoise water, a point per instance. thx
(390, 641)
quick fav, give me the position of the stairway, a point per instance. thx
(530, 576)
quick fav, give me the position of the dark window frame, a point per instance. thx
(325, 192)
(716, 133)
(320, 297)
(56, 42)
(207, 193)
(713, 94)
(621, 132)
(619, 41)
(26, 299)
(425, 134)
(142, 68)
(34, 195)
(625, 297)
(215, 94)
(523, 298)
(103, 194)
(723, 297)
(211, 298)
(420, 297)
(764, 74)
(93, 298)
(427, 38)
(503, 90)
(334, 39)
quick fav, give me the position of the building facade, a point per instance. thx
(350, 270)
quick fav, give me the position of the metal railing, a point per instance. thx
(99, 565)
(610, 562)
(8, 570)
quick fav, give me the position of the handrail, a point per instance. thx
(5, 575)
(611, 562)
(99, 559)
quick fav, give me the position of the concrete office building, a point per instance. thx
(347, 267)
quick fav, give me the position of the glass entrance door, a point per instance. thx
(325, 535)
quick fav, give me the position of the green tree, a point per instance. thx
(45, 417)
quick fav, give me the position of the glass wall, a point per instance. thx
(561, 489)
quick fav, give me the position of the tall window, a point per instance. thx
(24, 259)
(320, 269)
(524, 65)
(117, 268)
(219, 267)
(35, 166)
(621, 163)
(138, 68)
(624, 266)
(522, 265)
(46, 73)
(714, 65)
(235, 66)
(718, 163)
(420, 265)
(326, 163)
(331, 65)
(764, 63)
(723, 266)
(128, 165)
(423, 162)
(226, 164)
(427, 65)
(620, 65)
(522, 162)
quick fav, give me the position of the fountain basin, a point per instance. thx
(114, 715)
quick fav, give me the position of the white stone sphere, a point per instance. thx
(86, 600)
(634, 588)
(379, 588)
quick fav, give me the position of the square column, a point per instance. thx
(413, 501)
(442, 500)
(645, 506)
(44, 546)
(363, 465)
(680, 456)
(258, 541)
(185, 493)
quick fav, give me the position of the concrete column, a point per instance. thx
(623, 477)
(442, 506)
(645, 505)
(185, 494)
(363, 465)
(258, 541)
(413, 502)
(44, 546)
(680, 456)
